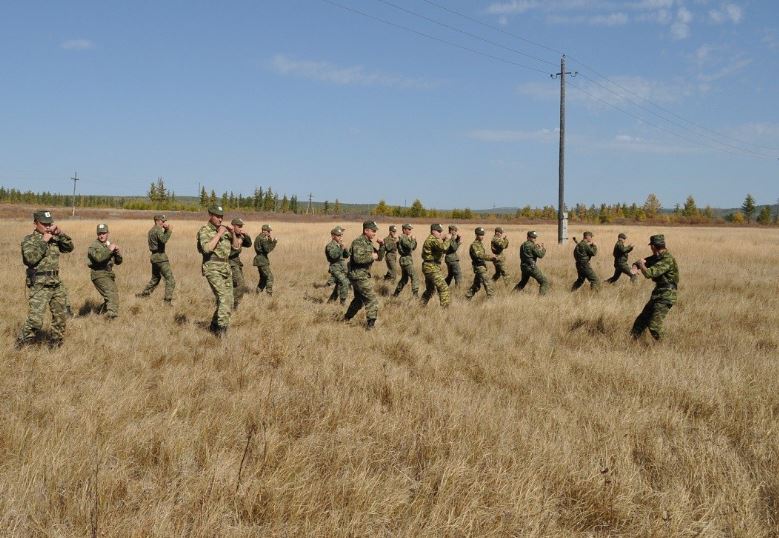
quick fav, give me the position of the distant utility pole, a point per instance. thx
(310, 197)
(74, 178)
(562, 215)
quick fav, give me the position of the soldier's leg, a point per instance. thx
(38, 298)
(414, 276)
(335, 292)
(487, 283)
(261, 284)
(57, 304)
(581, 278)
(659, 312)
(371, 303)
(593, 278)
(155, 279)
(239, 284)
(475, 285)
(220, 279)
(615, 277)
(458, 274)
(542, 281)
(170, 282)
(268, 280)
(625, 268)
(449, 273)
(429, 285)
(106, 287)
(342, 285)
(642, 320)
(442, 288)
(389, 275)
(357, 301)
(404, 277)
(522, 281)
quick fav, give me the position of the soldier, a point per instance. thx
(236, 265)
(406, 246)
(390, 251)
(40, 253)
(263, 245)
(585, 249)
(160, 265)
(214, 242)
(499, 243)
(452, 259)
(102, 256)
(621, 252)
(479, 259)
(529, 254)
(362, 255)
(662, 268)
(433, 250)
(336, 254)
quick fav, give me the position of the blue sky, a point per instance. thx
(308, 96)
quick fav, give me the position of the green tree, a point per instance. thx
(764, 217)
(652, 206)
(337, 208)
(748, 207)
(203, 197)
(417, 209)
(327, 207)
(381, 208)
(212, 198)
(690, 209)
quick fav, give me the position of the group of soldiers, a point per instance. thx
(220, 246)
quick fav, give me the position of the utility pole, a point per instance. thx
(74, 178)
(562, 214)
(310, 197)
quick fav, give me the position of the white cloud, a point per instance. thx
(624, 90)
(726, 13)
(680, 28)
(77, 44)
(611, 19)
(715, 62)
(506, 135)
(342, 76)
(771, 39)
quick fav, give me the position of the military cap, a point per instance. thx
(393, 228)
(452, 227)
(499, 229)
(43, 216)
(161, 217)
(408, 226)
(236, 222)
(532, 233)
(436, 228)
(266, 228)
(216, 210)
(589, 234)
(370, 225)
(480, 231)
(102, 228)
(337, 231)
(657, 240)
(622, 236)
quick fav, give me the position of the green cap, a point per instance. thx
(622, 236)
(657, 240)
(216, 210)
(408, 226)
(43, 216)
(480, 231)
(161, 217)
(532, 233)
(498, 230)
(393, 228)
(266, 228)
(236, 222)
(452, 228)
(436, 228)
(370, 225)
(102, 228)
(337, 231)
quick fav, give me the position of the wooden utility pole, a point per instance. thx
(310, 197)
(562, 215)
(74, 178)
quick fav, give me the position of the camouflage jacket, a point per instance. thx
(235, 253)
(390, 247)
(621, 251)
(529, 252)
(406, 247)
(263, 245)
(361, 254)
(664, 271)
(498, 245)
(433, 249)
(336, 253)
(158, 236)
(102, 258)
(478, 253)
(221, 252)
(40, 257)
(451, 252)
(583, 252)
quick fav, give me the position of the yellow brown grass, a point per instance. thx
(526, 415)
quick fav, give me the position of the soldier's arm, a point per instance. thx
(205, 242)
(593, 249)
(65, 243)
(539, 252)
(117, 257)
(246, 241)
(660, 267)
(362, 254)
(33, 251)
(258, 245)
(164, 235)
(628, 248)
(99, 253)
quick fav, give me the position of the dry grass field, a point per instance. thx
(523, 416)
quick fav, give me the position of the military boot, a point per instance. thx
(370, 325)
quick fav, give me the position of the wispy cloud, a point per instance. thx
(770, 39)
(621, 90)
(716, 62)
(610, 19)
(343, 76)
(507, 135)
(726, 13)
(77, 44)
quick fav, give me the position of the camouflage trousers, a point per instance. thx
(393, 268)
(161, 270)
(363, 296)
(239, 284)
(453, 272)
(407, 273)
(105, 283)
(38, 298)
(500, 270)
(532, 271)
(435, 281)
(266, 279)
(619, 270)
(341, 290)
(220, 278)
(585, 272)
(480, 279)
(651, 317)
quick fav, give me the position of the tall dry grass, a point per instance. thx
(522, 416)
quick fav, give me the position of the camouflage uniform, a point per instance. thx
(361, 259)
(529, 254)
(216, 269)
(452, 260)
(665, 273)
(336, 254)
(621, 251)
(433, 250)
(406, 247)
(498, 245)
(44, 287)
(582, 254)
(101, 261)
(160, 265)
(390, 252)
(479, 258)
(263, 245)
(236, 268)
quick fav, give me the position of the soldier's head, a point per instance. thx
(266, 229)
(657, 243)
(43, 220)
(436, 230)
(452, 229)
(498, 231)
(369, 229)
(480, 233)
(237, 224)
(407, 229)
(622, 237)
(393, 230)
(102, 232)
(337, 233)
(532, 236)
(588, 236)
(215, 215)
(159, 219)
